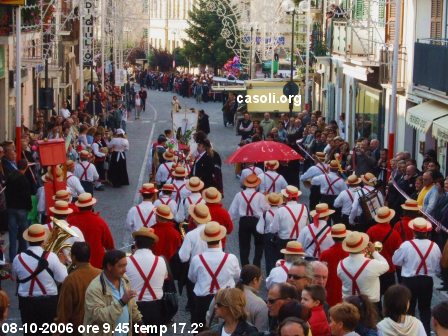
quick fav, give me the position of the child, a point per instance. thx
(344, 317)
(314, 297)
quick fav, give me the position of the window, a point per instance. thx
(436, 19)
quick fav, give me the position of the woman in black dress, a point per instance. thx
(118, 173)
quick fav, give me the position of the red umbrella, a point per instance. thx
(264, 151)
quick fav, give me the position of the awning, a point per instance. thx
(421, 117)
(440, 129)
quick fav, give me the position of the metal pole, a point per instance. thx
(291, 106)
(251, 47)
(307, 64)
(18, 84)
(393, 101)
(81, 51)
(103, 41)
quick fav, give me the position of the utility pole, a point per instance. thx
(18, 83)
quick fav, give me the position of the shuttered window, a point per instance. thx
(390, 21)
(382, 12)
(436, 19)
(358, 9)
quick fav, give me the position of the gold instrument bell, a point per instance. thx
(378, 248)
(59, 235)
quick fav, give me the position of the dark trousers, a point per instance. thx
(421, 289)
(39, 310)
(88, 186)
(247, 229)
(314, 196)
(153, 312)
(99, 165)
(201, 305)
(387, 280)
(270, 251)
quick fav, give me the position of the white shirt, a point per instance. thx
(345, 200)
(70, 241)
(184, 205)
(248, 171)
(86, 171)
(330, 184)
(408, 258)
(145, 259)
(192, 244)
(271, 181)
(135, 222)
(163, 172)
(197, 273)
(64, 113)
(283, 223)
(356, 207)
(167, 201)
(278, 274)
(74, 185)
(324, 240)
(118, 144)
(180, 190)
(41, 199)
(19, 272)
(313, 171)
(369, 279)
(240, 207)
(265, 221)
(96, 150)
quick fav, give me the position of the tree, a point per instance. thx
(179, 56)
(134, 54)
(162, 59)
(205, 45)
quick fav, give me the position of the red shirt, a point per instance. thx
(332, 257)
(96, 233)
(318, 322)
(403, 229)
(221, 215)
(377, 233)
(169, 242)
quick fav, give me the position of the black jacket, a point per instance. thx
(203, 124)
(243, 329)
(18, 191)
(203, 168)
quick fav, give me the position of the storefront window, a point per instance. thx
(367, 113)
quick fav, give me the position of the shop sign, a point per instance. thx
(88, 6)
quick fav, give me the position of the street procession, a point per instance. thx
(223, 168)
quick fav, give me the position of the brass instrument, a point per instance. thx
(59, 235)
(182, 230)
(378, 248)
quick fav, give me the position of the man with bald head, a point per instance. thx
(406, 182)
(267, 124)
(320, 271)
(375, 149)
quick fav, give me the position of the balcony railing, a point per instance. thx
(430, 64)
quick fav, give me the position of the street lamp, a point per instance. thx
(305, 6)
(174, 50)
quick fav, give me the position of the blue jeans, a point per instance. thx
(17, 224)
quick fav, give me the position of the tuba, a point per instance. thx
(59, 235)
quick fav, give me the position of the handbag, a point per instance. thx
(169, 300)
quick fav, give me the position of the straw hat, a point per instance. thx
(146, 232)
(85, 200)
(69, 164)
(49, 175)
(322, 210)
(167, 187)
(293, 247)
(195, 184)
(334, 165)
(211, 195)
(200, 213)
(291, 192)
(272, 164)
(84, 154)
(355, 242)
(61, 208)
(168, 155)
(164, 211)
(62, 195)
(339, 231)
(411, 205)
(420, 224)
(179, 171)
(148, 188)
(320, 156)
(353, 180)
(213, 231)
(252, 181)
(274, 199)
(369, 179)
(35, 233)
(384, 215)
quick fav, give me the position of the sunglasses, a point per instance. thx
(295, 277)
(272, 301)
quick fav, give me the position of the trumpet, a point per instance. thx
(378, 248)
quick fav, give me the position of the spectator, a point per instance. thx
(278, 295)
(246, 127)
(344, 317)
(267, 124)
(368, 315)
(314, 298)
(203, 123)
(440, 319)
(294, 308)
(293, 326)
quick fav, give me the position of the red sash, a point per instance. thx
(331, 184)
(84, 174)
(146, 279)
(317, 242)
(214, 283)
(295, 228)
(355, 287)
(272, 187)
(36, 278)
(249, 210)
(422, 257)
(144, 221)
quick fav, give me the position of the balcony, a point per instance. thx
(431, 66)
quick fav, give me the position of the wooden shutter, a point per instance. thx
(390, 21)
(358, 9)
(436, 19)
(382, 12)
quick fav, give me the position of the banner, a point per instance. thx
(88, 6)
(13, 2)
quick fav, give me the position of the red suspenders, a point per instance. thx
(355, 287)
(167, 202)
(350, 195)
(144, 221)
(317, 242)
(272, 187)
(295, 228)
(249, 210)
(422, 257)
(84, 174)
(197, 202)
(331, 184)
(146, 279)
(178, 189)
(35, 279)
(214, 283)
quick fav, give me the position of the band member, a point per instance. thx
(211, 271)
(65, 195)
(165, 198)
(271, 181)
(390, 239)
(320, 168)
(248, 205)
(410, 211)
(332, 256)
(143, 213)
(291, 218)
(146, 273)
(73, 182)
(316, 237)
(86, 172)
(250, 169)
(345, 199)
(165, 168)
(279, 274)
(179, 183)
(264, 228)
(194, 185)
(419, 259)
(169, 238)
(37, 273)
(100, 154)
(361, 275)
